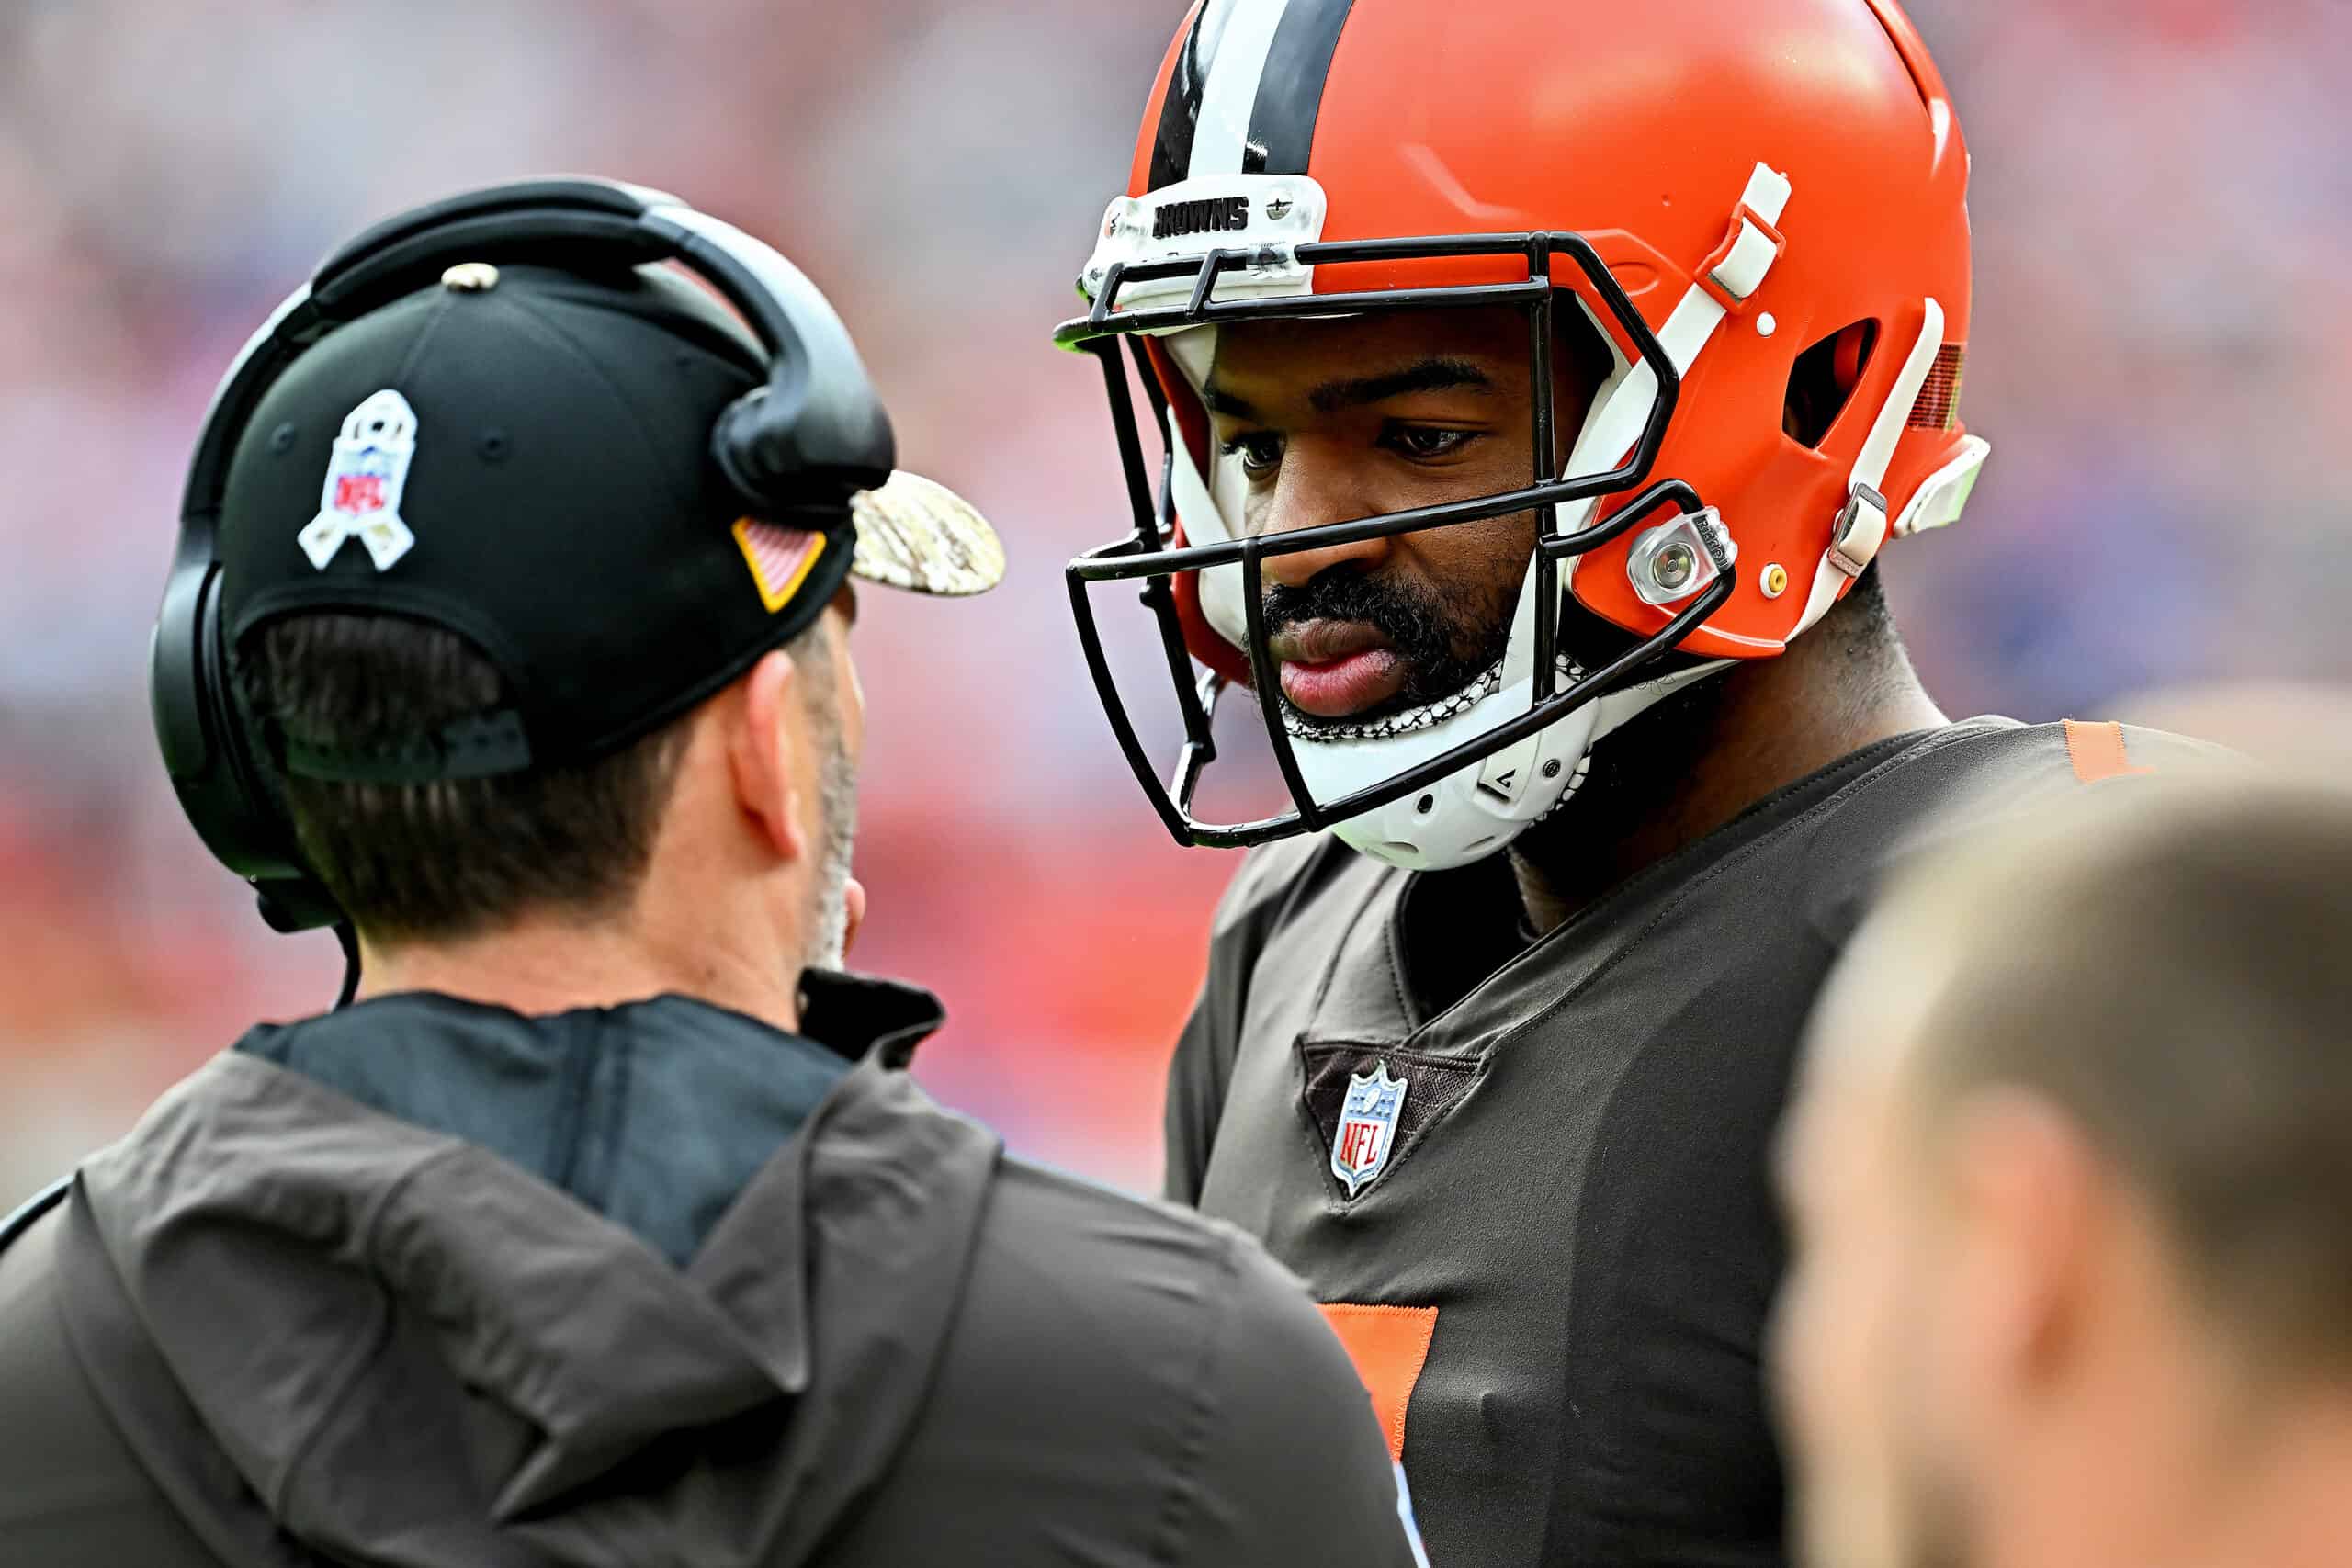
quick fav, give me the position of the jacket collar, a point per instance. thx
(861, 1015)
(654, 1114)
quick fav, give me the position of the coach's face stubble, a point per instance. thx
(836, 707)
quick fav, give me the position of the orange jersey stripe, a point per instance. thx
(2096, 751)
(1389, 1345)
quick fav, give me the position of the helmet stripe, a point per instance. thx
(1236, 36)
(1179, 109)
(1290, 88)
(1248, 82)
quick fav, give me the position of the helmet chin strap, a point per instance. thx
(1619, 708)
(1479, 808)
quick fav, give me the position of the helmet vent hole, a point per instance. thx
(1822, 382)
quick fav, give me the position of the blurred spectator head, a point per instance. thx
(2072, 1194)
(2305, 725)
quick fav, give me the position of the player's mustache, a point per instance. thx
(1413, 626)
(1420, 628)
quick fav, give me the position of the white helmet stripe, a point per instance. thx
(1235, 35)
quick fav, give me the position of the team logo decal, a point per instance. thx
(1367, 1130)
(1175, 219)
(365, 478)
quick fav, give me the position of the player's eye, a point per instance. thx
(1260, 451)
(1426, 443)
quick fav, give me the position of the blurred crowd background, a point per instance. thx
(2162, 356)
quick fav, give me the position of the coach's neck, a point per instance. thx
(546, 964)
(720, 916)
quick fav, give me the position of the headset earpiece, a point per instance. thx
(816, 433)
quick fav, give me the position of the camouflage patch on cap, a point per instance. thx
(918, 534)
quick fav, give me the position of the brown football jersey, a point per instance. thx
(1529, 1177)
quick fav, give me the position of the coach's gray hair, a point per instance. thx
(2171, 967)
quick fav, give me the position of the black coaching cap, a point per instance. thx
(523, 456)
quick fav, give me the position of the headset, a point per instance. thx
(22, 1217)
(811, 436)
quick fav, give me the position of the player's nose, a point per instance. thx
(1315, 488)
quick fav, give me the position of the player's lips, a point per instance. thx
(1331, 669)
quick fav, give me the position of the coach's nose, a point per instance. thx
(1318, 485)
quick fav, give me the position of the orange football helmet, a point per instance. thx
(1743, 200)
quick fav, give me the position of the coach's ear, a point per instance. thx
(853, 895)
(764, 751)
(2036, 1244)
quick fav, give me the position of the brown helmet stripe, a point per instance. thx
(1246, 86)
(1290, 90)
(1179, 109)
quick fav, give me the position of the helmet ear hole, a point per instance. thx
(1823, 381)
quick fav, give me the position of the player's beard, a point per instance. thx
(837, 799)
(1444, 647)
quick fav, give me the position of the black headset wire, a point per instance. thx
(347, 935)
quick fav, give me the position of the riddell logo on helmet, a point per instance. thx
(1178, 218)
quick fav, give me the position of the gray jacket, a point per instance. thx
(436, 1285)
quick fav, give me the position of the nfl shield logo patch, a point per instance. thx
(365, 478)
(1366, 1133)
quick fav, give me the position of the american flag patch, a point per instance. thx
(780, 559)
